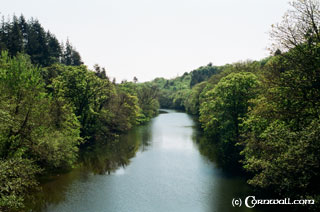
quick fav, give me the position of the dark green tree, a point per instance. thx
(30, 37)
(282, 130)
(54, 49)
(70, 56)
(86, 92)
(37, 132)
(223, 110)
(37, 44)
(15, 38)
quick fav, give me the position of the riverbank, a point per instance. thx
(154, 167)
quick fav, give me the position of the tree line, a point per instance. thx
(29, 37)
(264, 116)
(51, 106)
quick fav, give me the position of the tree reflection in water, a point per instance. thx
(98, 159)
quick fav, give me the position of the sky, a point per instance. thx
(157, 38)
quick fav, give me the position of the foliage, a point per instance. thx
(185, 92)
(284, 160)
(46, 113)
(148, 101)
(37, 125)
(265, 113)
(174, 93)
(202, 74)
(86, 92)
(282, 131)
(223, 109)
(29, 37)
(70, 56)
(192, 103)
(34, 127)
(123, 109)
(227, 103)
(146, 97)
(103, 109)
(17, 179)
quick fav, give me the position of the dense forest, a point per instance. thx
(43, 47)
(262, 116)
(52, 106)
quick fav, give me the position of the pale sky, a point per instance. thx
(157, 38)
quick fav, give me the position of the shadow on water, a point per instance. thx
(145, 136)
(222, 155)
(231, 177)
(228, 184)
(99, 159)
(166, 172)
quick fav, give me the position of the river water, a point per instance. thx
(154, 167)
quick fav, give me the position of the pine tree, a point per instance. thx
(54, 49)
(37, 47)
(15, 39)
(70, 56)
(24, 30)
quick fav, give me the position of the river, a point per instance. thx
(154, 167)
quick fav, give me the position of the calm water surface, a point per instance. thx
(155, 167)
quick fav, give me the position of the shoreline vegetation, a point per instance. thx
(263, 117)
(52, 105)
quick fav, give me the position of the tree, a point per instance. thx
(122, 112)
(100, 72)
(282, 130)
(17, 180)
(86, 92)
(67, 54)
(300, 26)
(201, 74)
(148, 101)
(135, 79)
(24, 27)
(15, 38)
(38, 133)
(192, 103)
(41, 127)
(54, 49)
(37, 44)
(21, 36)
(224, 108)
(70, 56)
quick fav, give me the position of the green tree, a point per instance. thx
(37, 131)
(15, 38)
(282, 130)
(70, 56)
(54, 49)
(123, 110)
(192, 102)
(201, 74)
(224, 108)
(17, 180)
(37, 44)
(86, 92)
(148, 100)
(37, 125)
(100, 72)
(31, 38)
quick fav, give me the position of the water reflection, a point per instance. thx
(165, 165)
(100, 159)
(227, 185)
(144, 135)
(105, 159)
